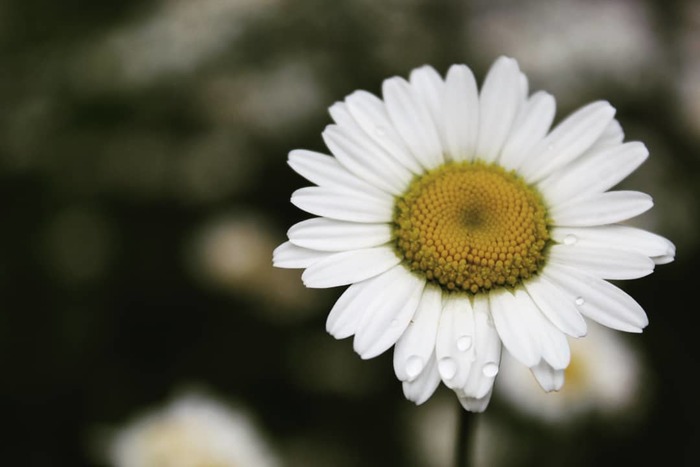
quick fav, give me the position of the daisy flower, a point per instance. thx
(462, 223)
(192, 430)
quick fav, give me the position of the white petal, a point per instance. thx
(568, 140)
(601, 209)
(326, 171)
(605, 263)
(429, 87)
(549, 378)
(556, 305)
(350, 206)
(487, 346)
(370, 113)
(475, 405)
(325, 234)
(389, 313)
(513, 327)
(291, 256)
(454, 347)
(619, 237)
(551, 343)
(461, 113)
(593, 173)
(417, 344)
(347, 267)
(498, 105)
(359, 155)
(347, 312)
(599, 300)
(612, 135)
(420, 389)
(412, 120)
(531, 125)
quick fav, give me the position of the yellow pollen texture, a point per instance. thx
(471, 227)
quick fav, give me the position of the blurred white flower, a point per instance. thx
(604, 377)
(568, 43)
(191, 431)
(689, 86)
(176, 37)
(232, 253)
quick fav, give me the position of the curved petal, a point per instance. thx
(290, 256)
(454, 347)
(420, 389)
(530, 127)
(348, 310)
(513, 327)
(476, 405)
(594, 173)
(601, 209)
(325, 234)
(389, 313)
(619, 237)
(326, 171)
(461, 113)
(412, 121)
(417, 344)
(487, 346)
(612, 135)
(605, 263)
(556, 305)
(344, 205)
(599, 300)
(360, 156)
(551, 343)
(499, 100)
(371, 115)
(429, 87)
(549, 378)
(568, 140)
(348, 267)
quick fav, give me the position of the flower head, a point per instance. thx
(193, 430)
(462, 223)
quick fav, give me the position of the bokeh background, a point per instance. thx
(143, 186)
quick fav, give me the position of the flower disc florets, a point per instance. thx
(470, 227)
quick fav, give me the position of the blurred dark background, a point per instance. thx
(143, 186)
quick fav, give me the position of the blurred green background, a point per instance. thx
(143, 186)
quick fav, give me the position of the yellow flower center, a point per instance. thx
(471, 226)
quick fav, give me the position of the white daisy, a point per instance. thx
(193, 430)
(461, 222)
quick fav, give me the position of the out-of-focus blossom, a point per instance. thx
(689, 86)
(175, 38)
(566, 44)
(191, 431)
(232, 254)
(605, 377)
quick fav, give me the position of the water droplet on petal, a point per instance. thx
(464, 343)
(414, 365)
(490, 369)
(580, 301)
(447, 368)
(570, 239)
(380, 130)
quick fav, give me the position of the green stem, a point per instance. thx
(464, 427)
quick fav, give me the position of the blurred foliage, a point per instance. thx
(129, 127)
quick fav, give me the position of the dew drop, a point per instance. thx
(570, 239)
(490, 369)
(580, 301)
(380, 130)
(464, 343)
(414, 365)
(447, 368)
